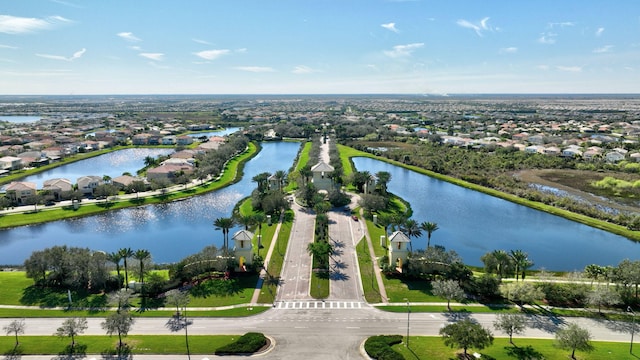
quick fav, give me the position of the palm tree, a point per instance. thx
(141, 255)
(261, 180)
(126, 253)
(411, 229)
(305, 173)
(244, 220)
(280, 175)
(224, 224)
(383, 180)
(429, 227)
(149, 161)
(521, 262)
(503, 260)
(115, 258)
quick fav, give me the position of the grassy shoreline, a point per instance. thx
(348, 153)
(231, 174)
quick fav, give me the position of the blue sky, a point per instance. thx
(319, 47)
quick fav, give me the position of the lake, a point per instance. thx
(169, 231)
(112, 164)
(20, 119)
(473, 223)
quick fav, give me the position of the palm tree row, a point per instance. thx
(125, 253)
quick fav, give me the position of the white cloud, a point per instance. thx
(604, 49)
(573, 69)
(22, 25)
(153, 56)
(599, 32)
(561, 24)
(129, 36)
(391, 27)
(509, 50)
(479, 27)
(255, 69)
(543, 67)
(302, 69)
(212, 54)
(547, 38)
(400, 51)
(76, 55)
(2, 46)
(204, 42)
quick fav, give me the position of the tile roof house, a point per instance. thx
(87, 184)
(57, 186)
(20, 191)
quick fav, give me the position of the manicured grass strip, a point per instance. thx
(46, 313)
(303, 159)
(274, 267)
(231, 174)
(156, 344)
(456, 309)
(319, 285)
(433, 348)
(367, 273)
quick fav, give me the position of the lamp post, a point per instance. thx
(408, 318)
(633, 328)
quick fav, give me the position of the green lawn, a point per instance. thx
(274, 266)
(156, 344)
(433, 348)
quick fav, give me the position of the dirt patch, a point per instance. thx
(577, 183)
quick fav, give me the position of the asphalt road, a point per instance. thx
(303, 328)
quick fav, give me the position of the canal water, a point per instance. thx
(472, 224)
(169, 231)
(112, 164)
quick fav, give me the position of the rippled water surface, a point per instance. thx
(472, 224)
(170, 231)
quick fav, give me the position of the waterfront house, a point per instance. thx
(19, 192)
(184, 140)
(88, 184)
(167, 171)
(57, 187)
(10, 163)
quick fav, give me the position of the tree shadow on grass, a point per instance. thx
(13, 354)
(523, 353)
(79, 351)
(35, 295)
(124, 353)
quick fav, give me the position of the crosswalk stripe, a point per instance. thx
(311, 305)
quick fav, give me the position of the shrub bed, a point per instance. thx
(248, 343)
(379, 347)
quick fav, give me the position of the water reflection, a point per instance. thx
(112, 164)
(170, 231)
(472, 224)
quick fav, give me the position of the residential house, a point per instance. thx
(167, 171)
(88, 184)
(57, 187)
(184, 140)
(169, 140)
(19, 192)
(10, 163)
(613, 157)
(123, 181)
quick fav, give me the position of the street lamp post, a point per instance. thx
(633, 328)
(408, 318)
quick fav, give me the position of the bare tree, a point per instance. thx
(15, 327)
(118, 323)
(72, 327)
(510, 324)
